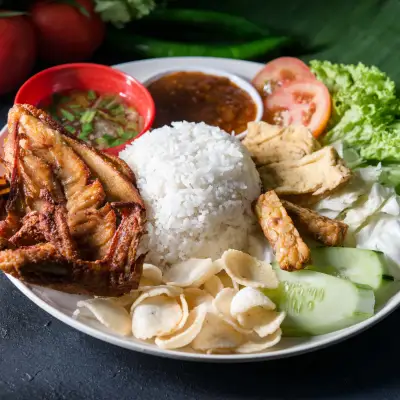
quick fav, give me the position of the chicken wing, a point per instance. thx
(290, 250)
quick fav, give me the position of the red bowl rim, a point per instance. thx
(113, 150)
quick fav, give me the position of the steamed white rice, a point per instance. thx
(198, 184)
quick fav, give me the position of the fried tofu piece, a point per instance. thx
(316, 174)
(329, 232)
(272, 143)
(290, 250)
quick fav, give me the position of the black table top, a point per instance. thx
(41, 358)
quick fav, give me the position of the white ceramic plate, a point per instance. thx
(62, 305)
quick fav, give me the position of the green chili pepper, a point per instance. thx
(237, 27)
(67, 115)
(154, 48)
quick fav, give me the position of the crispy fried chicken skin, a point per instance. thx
(66, 199)
(290, 250)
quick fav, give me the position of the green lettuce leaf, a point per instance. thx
(366, 111)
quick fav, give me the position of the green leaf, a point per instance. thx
(365, 110)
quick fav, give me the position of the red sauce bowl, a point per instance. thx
(85, 76)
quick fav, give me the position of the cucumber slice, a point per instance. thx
(365, 267)
(318, 303)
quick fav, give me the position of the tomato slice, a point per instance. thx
(302, 102)
(279, 72)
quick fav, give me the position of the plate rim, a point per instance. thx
(329, 340)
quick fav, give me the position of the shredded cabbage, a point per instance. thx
(372, 212)
(382, 233)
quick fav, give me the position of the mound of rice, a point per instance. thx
(198, 184)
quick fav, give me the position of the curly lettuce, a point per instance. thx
(366, 110)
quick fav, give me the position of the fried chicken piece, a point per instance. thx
(316, 174)
(94, 235)
(30, 233)
(329, 232)
(115, 275)
(273, 143)
(54, 226)
(83, 198)
(72, 211)
(290, 250)
(122, 166)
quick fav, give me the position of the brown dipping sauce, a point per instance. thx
(198, 97)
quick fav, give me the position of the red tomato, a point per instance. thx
(67, 32)
(280, 71)
(17, 51)
(303, 102)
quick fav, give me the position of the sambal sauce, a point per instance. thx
(199, 97)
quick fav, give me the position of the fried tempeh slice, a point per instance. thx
(329, 232)
(290, 250)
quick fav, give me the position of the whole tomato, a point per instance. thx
(17, 49)
(68, 31)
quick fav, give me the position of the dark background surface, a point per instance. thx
(41, 358)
